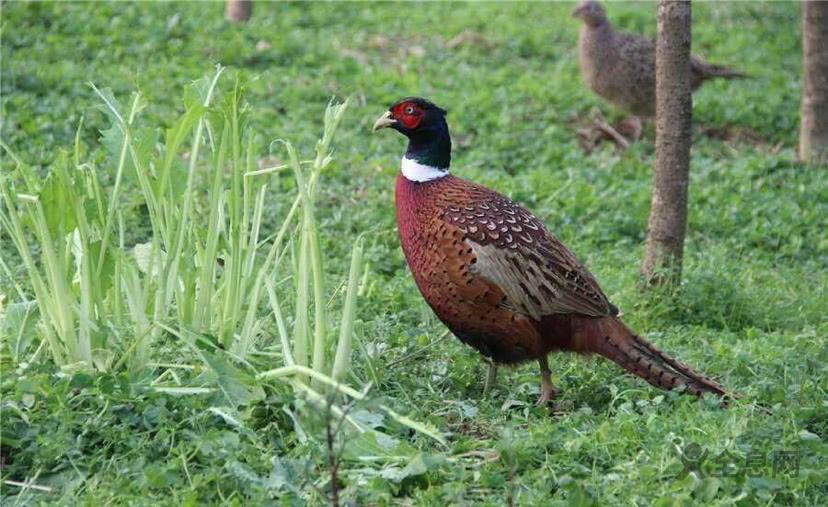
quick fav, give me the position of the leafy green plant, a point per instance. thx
(103, 304)
(73, 279)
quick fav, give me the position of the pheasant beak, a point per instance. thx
(386, 120)
(578, 11)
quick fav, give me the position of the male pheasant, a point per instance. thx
(495, 275)
(620, 67)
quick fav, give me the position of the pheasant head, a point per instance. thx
(429, 144)
(591, 13)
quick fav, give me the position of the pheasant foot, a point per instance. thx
(548, 390)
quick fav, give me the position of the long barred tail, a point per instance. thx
(711, 71)
(612, 339)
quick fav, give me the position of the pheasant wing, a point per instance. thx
(514, 250)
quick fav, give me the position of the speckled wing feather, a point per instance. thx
(637, 55)
(513, 250)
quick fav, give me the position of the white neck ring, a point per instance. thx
(415, 171)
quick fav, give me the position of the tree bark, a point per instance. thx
(238, 11)
(674, 109)
(813, 128)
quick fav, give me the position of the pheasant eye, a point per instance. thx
(408, 114)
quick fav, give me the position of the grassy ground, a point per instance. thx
(751, 311)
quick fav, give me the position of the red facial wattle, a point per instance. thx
(408, 114)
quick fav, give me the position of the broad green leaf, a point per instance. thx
(93, 250)
(376, 446)
(237, 386)
(184, 391)
(58, 201)
(229, 415)
(142, 142)
(420, 464)
(17, 326)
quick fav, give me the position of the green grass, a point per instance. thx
(751, 310)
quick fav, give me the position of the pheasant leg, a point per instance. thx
(630, 128)
(548, 390)
(603, 126)
(491, 376)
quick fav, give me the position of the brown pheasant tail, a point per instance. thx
(612, 339)
(712, 71)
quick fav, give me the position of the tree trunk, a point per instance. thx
(238, 11)
(674, 109)
(813, 128)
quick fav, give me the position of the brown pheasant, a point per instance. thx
(495, 275)
(620, 67)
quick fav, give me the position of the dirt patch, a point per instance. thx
(470, 38)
